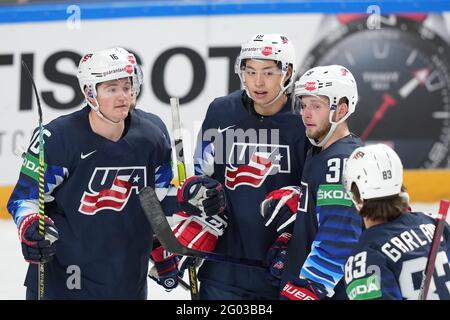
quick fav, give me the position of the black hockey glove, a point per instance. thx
(167, 268)
(201, 194)
(165, 271)
(276, 258)
(37, 248)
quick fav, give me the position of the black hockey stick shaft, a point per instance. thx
(181, 172)
(435, 244)
(41, 271)
(157, 219)
(183, 284)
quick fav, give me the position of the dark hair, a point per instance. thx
(385, 209)
(343, 100)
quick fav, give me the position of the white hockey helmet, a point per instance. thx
(138, 77)
(376, 170)
(334, 82)
(274, 47)
(101, 66)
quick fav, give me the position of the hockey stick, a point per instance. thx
(181, 171)
(41, 273)
(435, 244)
(183, 284)
(155, 215)
(178, 140)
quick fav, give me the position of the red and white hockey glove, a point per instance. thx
(199, 232)
(37, 248)
(302, 289)
(196, 232)
(201, 195)
(280, 207)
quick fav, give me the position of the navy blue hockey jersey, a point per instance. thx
(91, 193)
(327, 225)
(251, 155)
(390, 258)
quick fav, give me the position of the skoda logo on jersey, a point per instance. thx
(251, 163)
(110, 188)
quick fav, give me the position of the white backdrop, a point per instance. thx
(148, 38)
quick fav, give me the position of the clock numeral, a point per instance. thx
(381, 53)
(438, 151)
(411, 57)
(434, 81)
(426, 33)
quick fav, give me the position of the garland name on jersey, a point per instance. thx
(390, 260)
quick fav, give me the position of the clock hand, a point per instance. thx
(420, 76)
(388, 101)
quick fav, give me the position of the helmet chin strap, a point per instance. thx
(282, 90)
(333, 127)
(99, 113)
(280, 93)
(357, 205)
(321, 143)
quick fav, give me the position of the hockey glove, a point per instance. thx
(201, 194)
(302, 289)
(280, 207)
(37, 248)
(276, 258)
(165, 271)
(199, 232)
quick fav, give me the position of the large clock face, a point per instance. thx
(403, 76)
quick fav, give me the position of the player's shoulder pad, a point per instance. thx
(64, 130)
(68, 123)
(424, 215)
(152, 118)
(226, 104)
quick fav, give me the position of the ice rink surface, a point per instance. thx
(13, 267)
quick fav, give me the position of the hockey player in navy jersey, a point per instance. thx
(97, 241)
(192, 227)
(251, 142)
(310, 254)
(390, 257)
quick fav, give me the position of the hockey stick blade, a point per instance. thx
(157, 219)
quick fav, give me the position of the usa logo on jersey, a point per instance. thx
(110, 188)
(251, 163)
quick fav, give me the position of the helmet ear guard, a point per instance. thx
(90, 92)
